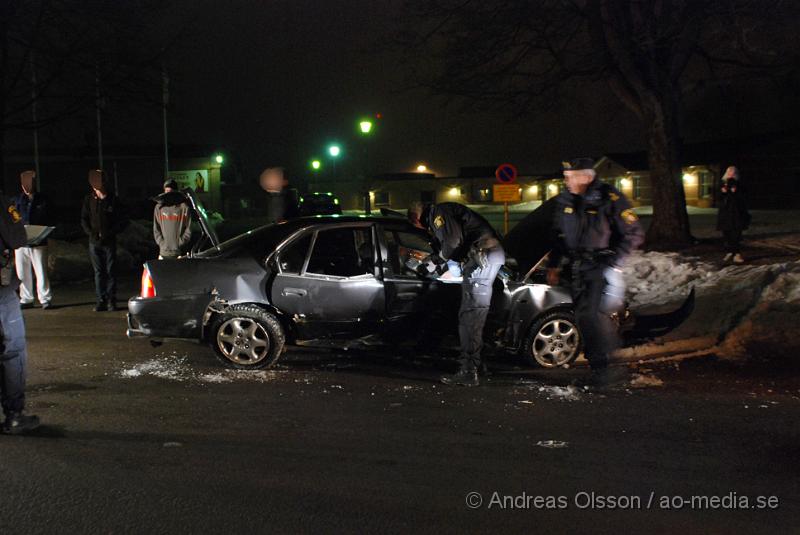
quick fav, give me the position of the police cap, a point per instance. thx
(578, 164)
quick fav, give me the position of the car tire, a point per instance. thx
(553, 340)
(247, 337)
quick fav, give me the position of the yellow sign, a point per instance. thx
(506, 193)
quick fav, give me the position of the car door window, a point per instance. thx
(293, 257)
(343, 252)
(402, 246)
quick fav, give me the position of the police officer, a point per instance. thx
(461, 235)
(597, 230)
(13, 350)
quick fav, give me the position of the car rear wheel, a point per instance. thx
(247, 338)
(554, 340)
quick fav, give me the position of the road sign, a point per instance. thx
(506, 173)
(506, 193)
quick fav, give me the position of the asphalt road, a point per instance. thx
(144, 440)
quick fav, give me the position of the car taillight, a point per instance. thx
(148, 290)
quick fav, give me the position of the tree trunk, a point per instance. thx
(670, 225)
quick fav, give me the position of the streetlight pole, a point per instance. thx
(98, 105)
(365, 127)
(164, 103)
(334, 151)
(34, 98)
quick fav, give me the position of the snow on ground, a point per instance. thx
(176, 367)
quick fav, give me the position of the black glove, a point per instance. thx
(422, 270)
(436, 259)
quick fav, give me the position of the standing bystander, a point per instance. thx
(30, 261)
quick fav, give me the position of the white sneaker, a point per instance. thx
(728, 257)
(737, 259)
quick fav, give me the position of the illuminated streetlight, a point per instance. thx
(219, 158)
(334, 150)
(316, 165)
(422, 168)
(365, 126)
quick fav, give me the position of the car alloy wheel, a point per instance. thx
(556, 342)
(243, 341)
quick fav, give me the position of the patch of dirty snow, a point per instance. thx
(553, 444)
(177, 368)
(640, 380)
(554, 392)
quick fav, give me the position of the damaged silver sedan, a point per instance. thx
(344, 281)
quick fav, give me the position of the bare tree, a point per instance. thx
(61, 54)
(521, 53)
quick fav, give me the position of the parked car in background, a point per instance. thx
(338, 280)
(319, 204)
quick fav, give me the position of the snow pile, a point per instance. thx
(739, 310)
(655, 278)
(769, 328)
(69, 260)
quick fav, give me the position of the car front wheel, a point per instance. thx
(553, 340)
(247, 337)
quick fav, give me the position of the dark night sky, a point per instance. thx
(276, 80)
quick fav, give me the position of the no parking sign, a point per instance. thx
(506, 173)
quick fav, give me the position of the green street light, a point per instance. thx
(219, 158)
(334, 150)
(365, 126)
(316, 164)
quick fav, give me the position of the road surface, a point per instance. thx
(144, 440)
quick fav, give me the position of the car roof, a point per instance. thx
(283, 230)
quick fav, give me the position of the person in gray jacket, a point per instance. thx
(172, 221)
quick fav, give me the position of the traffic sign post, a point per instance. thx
(506, 189)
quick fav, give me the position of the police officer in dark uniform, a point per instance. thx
(597, 230)
(13, 350)
(461, 235)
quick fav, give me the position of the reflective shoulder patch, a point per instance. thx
(629, 216)
(568, 209)
(438, 221)
(14, 213)
(593, 212)
(613, 196)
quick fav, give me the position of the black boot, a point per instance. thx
(463, 377)
(483, 370)
(112, 306)
(17, 423)
(101, 306)
(609, 378)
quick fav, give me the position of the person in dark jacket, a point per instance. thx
(172, 221)
(463, 236)
(281, 200)
(102, 218)
(32, 206)
(13, 347)
(733, 218)
(598, 230)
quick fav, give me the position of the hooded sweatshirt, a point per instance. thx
(172, 224)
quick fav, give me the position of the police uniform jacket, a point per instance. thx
(456, 229)
(12, 236)
(599, 225)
